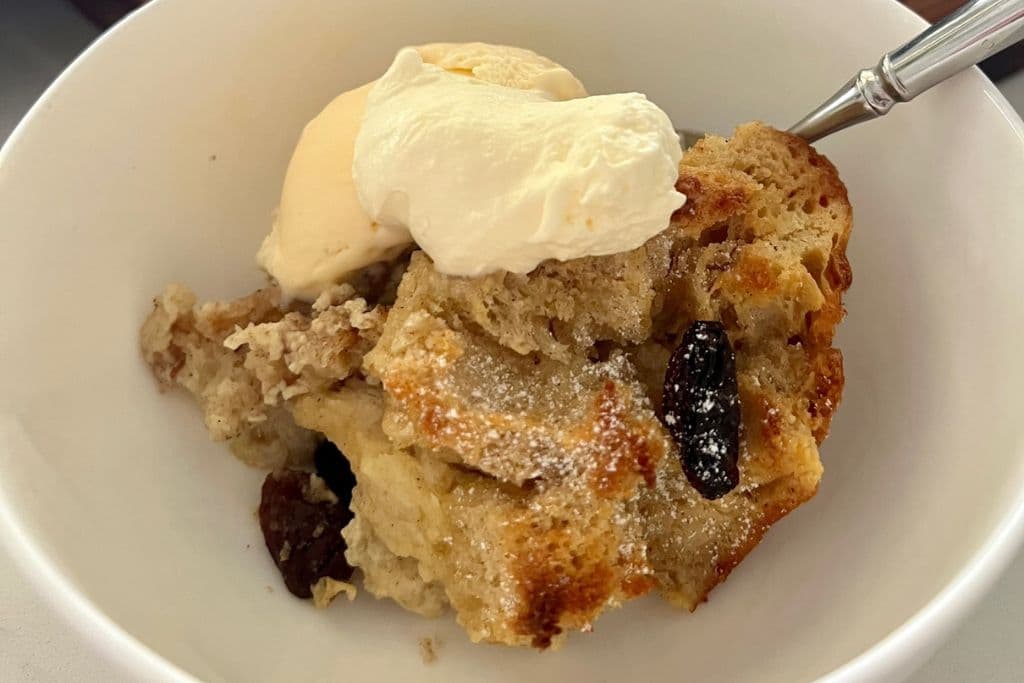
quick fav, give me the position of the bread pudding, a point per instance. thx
(515, 439)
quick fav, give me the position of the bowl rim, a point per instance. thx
(899, 652)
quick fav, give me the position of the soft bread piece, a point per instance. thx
(773, 269)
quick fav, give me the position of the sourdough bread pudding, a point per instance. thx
(522, 447)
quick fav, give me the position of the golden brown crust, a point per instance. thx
(712, 195)
(514, 417)
(551, 592)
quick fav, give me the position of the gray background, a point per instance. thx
(38, 38)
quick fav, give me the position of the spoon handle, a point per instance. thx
(977, 30)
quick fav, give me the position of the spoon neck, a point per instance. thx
(866, 96)
(976, 31)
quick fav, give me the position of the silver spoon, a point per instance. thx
(977, 30)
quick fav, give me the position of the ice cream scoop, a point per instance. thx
(321, 233)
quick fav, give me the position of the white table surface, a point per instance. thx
(37, 39)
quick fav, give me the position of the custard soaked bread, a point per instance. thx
(507, 432)
(562, 493)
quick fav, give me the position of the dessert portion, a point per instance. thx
(622, 395)
(321, 233)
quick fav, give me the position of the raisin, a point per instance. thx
(333, 468)
(302, 534)
(702, 408)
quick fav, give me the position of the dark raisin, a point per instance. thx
(302, 534)
(334, 469)
(702, 408)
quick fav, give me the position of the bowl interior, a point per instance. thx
(159, 157)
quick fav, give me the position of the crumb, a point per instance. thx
(317, 491)
(326, 589)
(213, 157)
(269, 588)
(429, 648)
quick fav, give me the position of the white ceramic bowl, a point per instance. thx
(158, 156)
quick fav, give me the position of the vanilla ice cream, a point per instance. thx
(490, 178)
(321, 232)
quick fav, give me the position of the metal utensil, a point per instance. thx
(974, 32)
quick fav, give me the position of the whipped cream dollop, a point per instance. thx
(487, 177)
(321, 234)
